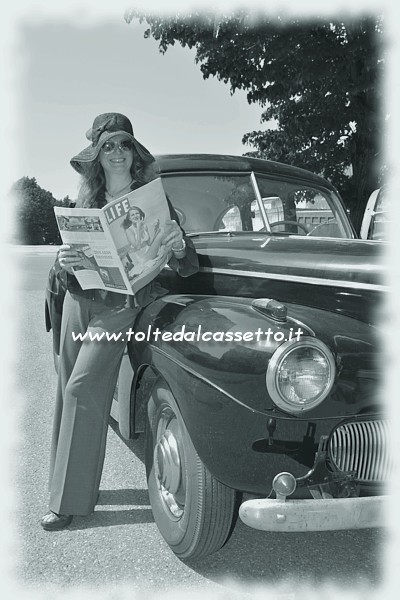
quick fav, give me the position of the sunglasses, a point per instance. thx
(124, 146)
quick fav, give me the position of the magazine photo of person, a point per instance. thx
(144, 241)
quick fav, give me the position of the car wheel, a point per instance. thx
(193, 511)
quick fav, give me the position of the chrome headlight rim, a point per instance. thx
(281, 353)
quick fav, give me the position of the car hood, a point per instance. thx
(348, 263)
(339, 275)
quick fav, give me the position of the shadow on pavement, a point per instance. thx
(123, 497)
(111, 518)
(136, 446)
(330, 557)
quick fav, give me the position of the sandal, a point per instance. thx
(52, 521)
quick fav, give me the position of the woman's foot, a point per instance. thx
(52, 521)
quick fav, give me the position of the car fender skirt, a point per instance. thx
(314, 515)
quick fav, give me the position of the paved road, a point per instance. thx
(119, 543)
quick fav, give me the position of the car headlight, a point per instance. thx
(300, 374)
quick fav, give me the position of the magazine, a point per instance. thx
(120, 244)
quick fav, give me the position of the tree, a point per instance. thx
(35, 220)
(319, 81)
(66, 202)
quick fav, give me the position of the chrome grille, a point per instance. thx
(363, 447)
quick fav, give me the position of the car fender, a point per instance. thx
(179, 329)
(214, 384)
(239, 367)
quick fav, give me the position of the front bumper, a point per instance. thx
(314, 515)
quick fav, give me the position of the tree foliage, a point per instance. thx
(35, 220)
(319, 83)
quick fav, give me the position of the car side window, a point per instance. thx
(299, 209)
(314, 212)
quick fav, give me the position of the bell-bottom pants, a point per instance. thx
(87, 375)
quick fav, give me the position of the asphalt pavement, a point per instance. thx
(118, 552)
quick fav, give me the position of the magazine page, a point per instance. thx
(137, 223)
(120, 244)
(86, 231)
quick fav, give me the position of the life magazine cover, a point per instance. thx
(120, 244)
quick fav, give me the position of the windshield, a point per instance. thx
(237, 202)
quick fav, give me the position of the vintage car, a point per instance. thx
(260, 394)
(376, 216)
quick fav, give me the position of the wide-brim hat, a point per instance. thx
(106, 126)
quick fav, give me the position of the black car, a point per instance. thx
(261, 388)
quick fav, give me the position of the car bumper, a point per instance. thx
(314, 515)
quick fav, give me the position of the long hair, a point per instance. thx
(92, 191)
(126, 223)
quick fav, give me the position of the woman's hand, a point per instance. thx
(68, 258)
(172, 239)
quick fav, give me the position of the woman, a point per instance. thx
(111, 166)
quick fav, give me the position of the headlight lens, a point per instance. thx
(300, 374)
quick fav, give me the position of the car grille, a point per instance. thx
(363, 447)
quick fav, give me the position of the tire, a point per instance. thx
(192, 510)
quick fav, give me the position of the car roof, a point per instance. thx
(174, 163)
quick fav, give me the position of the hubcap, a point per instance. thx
(168, 464)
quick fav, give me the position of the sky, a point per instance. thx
(71, 73)
(70, 64)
